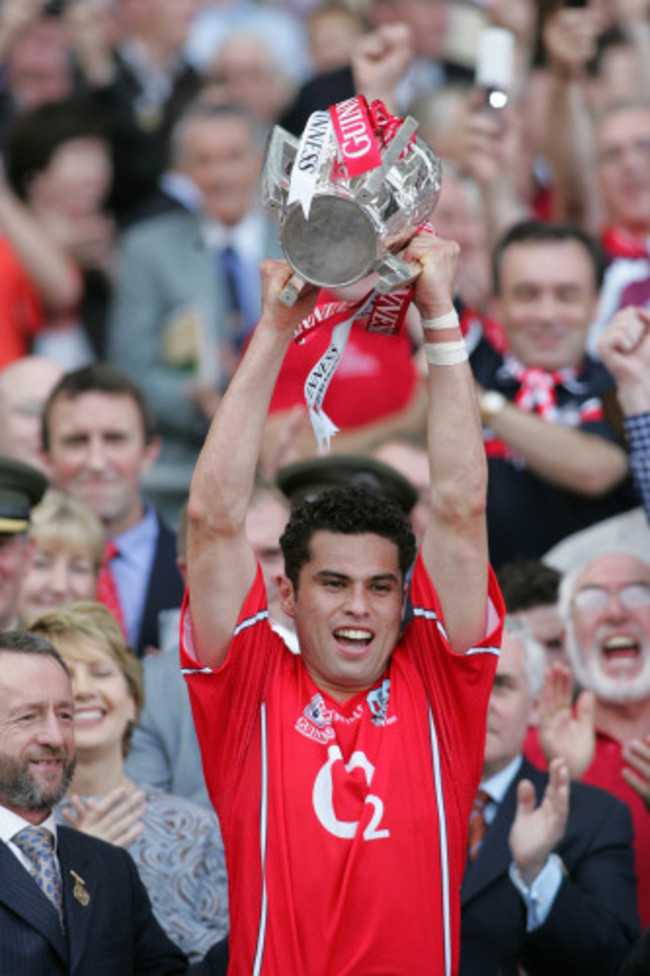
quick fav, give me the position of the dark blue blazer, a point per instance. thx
(114, 934)
(593, 922)
(164, 590)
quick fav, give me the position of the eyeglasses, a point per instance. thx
(593, 599)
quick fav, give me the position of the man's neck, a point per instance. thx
(97, 776)
(117, 526)
(623, 722)
(34, 817)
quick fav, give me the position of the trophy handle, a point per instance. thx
(395, 273)
(291, 291)
(370, 188)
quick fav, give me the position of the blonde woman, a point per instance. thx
(176, 845)
(67, 540)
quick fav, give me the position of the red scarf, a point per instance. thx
(620, 244)
(537, 390)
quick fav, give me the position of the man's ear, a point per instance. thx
(151, 452)
(287, 596)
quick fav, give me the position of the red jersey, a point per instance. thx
(344, 823)
(605, 771)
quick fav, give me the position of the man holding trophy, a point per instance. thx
(344, 776)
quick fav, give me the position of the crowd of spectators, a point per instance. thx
(132, 136)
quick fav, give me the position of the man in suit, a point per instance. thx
(69, 903)
(100, 440)
(549, 888)
(187, 286)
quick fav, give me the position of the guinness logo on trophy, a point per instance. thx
(349, 195)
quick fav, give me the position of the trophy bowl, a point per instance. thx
(351, 226)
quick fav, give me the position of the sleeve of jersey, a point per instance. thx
(458, 686)
(226, 700)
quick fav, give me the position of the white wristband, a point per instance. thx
(447, 321)
(446, 353)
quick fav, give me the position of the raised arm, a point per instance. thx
(625, 350)
(221, 564)
(455, 543)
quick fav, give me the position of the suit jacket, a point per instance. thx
(168, 289)
(593, 921)
(638, 961)
(164, 749)
(164, 590)
(112, 932)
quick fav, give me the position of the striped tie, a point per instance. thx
(477, 824)
(37, 844)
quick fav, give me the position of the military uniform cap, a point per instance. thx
(304, 480)
(21, 488)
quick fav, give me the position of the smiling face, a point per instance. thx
(547, 300)
(608, 637)
(219, 154)
(59, 573)
(347, 610)
(104, 705)
(98, 454)
(36, 733)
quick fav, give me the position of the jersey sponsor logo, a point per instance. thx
(318, 712)
(316, 721)
(323, 798)
(306, 728)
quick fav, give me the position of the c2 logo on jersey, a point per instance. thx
(323, 799)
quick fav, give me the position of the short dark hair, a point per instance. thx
(542, 232)
(98, 378)
(21, 642)
(34, 136)
(528, 583)
(348, 510)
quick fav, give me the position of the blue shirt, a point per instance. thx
(131, 570)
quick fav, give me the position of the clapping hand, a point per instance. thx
(116, 817)
(536, 831)
(563, 731)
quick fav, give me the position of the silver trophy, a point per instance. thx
(353, 227)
